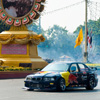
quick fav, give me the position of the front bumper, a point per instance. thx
(40, 85)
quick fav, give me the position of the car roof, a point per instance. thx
(67, 62)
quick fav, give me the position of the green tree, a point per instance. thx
(94, 27)
(3, 26)
(59, 42)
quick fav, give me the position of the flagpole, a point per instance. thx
(86, 53)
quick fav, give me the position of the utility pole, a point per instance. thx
(86, 53)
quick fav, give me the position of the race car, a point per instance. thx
(62, 75)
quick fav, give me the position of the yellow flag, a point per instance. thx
(79, 38)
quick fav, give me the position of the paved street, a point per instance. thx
(11, 89)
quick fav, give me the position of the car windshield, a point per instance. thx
(59, 67)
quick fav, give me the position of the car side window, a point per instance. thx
(73, 68)
(82, 67)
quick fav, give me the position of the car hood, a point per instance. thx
(44, 73)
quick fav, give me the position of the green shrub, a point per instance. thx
(12, 68)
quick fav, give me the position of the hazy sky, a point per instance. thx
(70, 17)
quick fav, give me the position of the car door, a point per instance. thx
(75, 76)
(83, 70)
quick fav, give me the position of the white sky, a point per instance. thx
(70, 17)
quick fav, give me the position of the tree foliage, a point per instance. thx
(59, 42)
(3, 26)
(91, 25)
(94, 27)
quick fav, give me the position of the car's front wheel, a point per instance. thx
(61, 85)
(30, 89)
(90, 84)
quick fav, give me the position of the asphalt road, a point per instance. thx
(12, 89)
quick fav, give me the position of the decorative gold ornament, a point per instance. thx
(20, 12)
(21, 39)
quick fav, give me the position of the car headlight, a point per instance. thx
(48, 79)
(28, 78)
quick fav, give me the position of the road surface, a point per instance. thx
(12, 89)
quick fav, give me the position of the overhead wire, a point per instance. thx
(53, 11)
(92, 6)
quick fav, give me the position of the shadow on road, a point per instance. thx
(83, 90)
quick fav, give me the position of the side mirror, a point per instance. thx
(73, 69)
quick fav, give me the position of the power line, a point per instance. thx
(53, 11)
(93, 11)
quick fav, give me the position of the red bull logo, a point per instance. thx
(72, 78)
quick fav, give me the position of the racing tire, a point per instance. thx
(61, 85)
(91, 84)
(30, 89)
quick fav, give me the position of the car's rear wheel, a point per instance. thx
(61, 85)
(90, 84)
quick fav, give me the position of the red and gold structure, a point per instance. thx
(18, 46)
